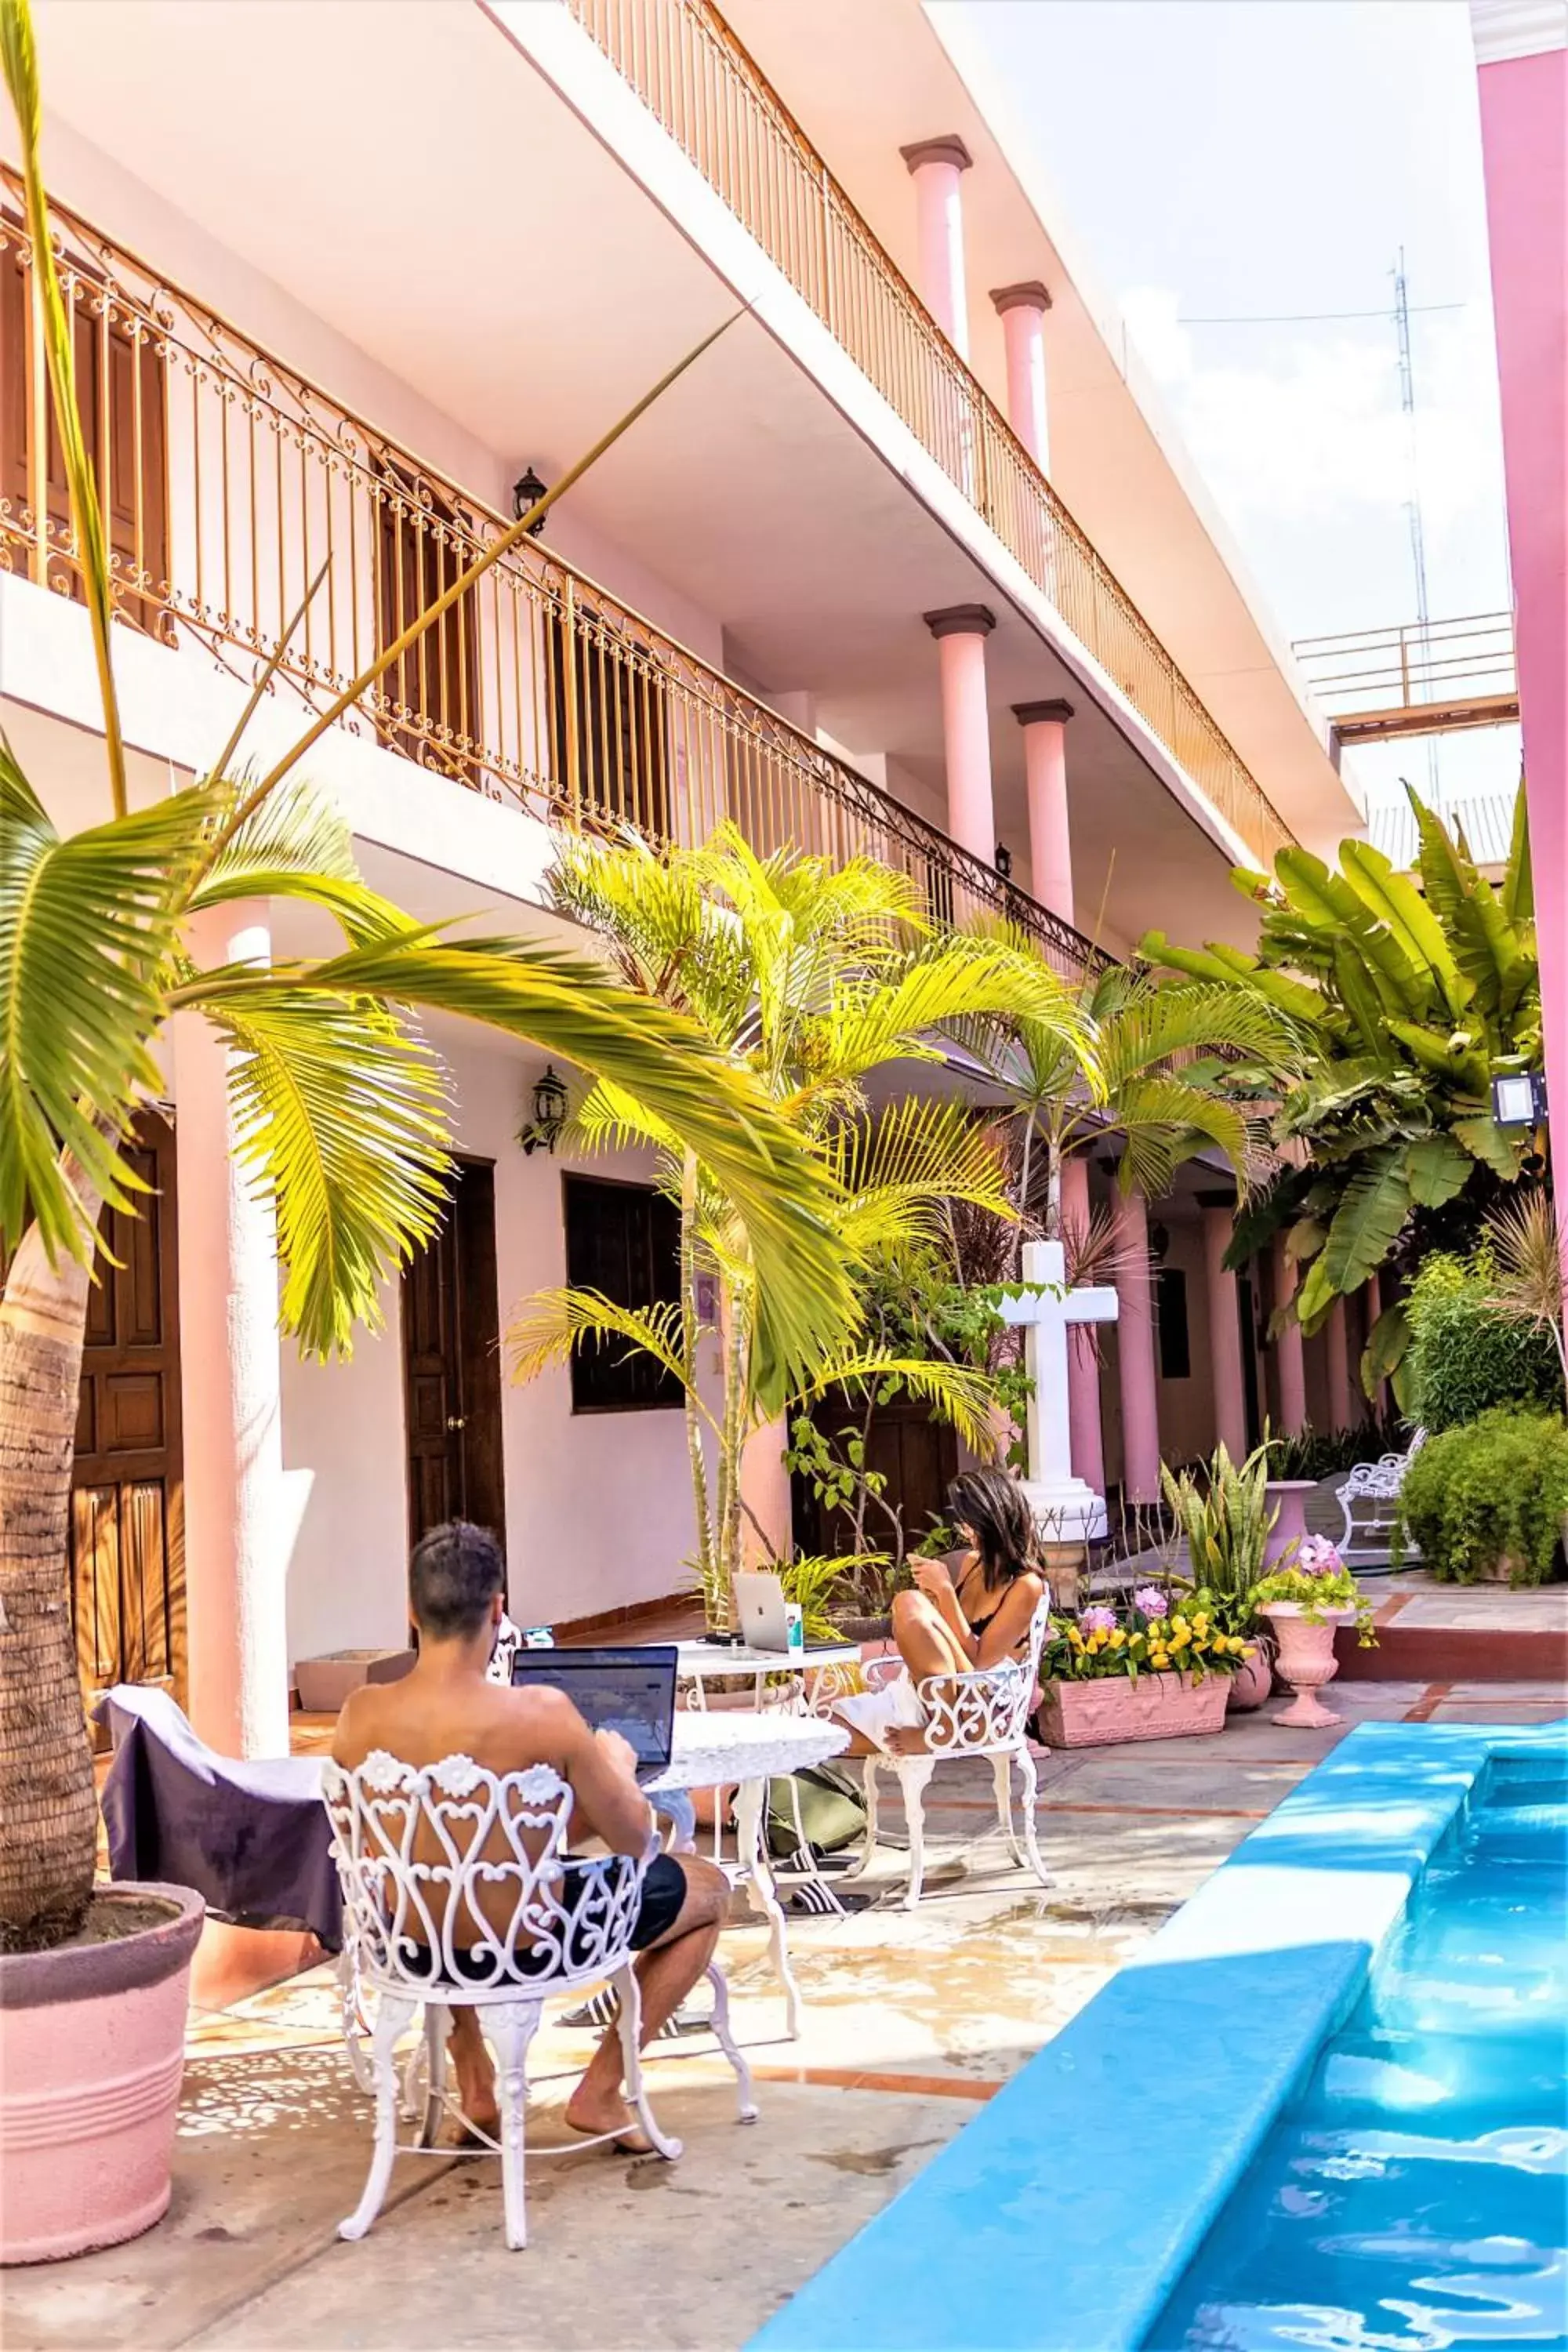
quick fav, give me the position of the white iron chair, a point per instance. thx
(415, 1936)
(1377, 1484)
(983, 1713)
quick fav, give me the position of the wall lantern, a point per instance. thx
(548, 1114)
(1159, 1243)
(526, 491)
(1519, 1101)
(1004, 861)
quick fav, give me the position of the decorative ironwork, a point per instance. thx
(539, 686)
(694, 76)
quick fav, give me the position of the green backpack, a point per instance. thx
(832, 1811)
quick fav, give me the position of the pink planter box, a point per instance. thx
(1157, 1706)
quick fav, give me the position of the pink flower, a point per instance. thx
(1097, 1621)
(1316, 1556)
(1150, 1601)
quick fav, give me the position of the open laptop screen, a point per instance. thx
(629, 1690)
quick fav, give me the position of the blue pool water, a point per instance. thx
(1415, 2198)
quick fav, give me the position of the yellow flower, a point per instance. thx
(1159, 1658)
(1117, 1638)
(1075, 1637)
(1180, 1635)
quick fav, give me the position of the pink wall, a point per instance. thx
(1524, 139)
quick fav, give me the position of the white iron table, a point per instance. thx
(734, 1747)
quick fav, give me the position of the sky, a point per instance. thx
(1257, 161)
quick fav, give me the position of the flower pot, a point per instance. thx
(1113, 1708)
(1306, 1661)
(92, 2047)
(1250, 1685)
(1066, 1567)
(1287, 1497)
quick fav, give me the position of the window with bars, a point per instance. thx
(622, 1239)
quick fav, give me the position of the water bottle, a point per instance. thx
(795, 1629)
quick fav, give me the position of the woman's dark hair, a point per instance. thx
(993, 1503)
(454, 1575)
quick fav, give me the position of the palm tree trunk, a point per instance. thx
(689, 1327)
(47, 1803)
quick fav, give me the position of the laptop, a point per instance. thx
(629, 1690)
(764, 1612)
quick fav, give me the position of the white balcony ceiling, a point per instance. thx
(430, 199)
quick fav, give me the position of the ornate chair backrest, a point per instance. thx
(989, 1708)
(422, 1852)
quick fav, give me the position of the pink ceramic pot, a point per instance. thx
(1157, 1706)
(1306, 1661)
(1250, 1684)
(92, 2047)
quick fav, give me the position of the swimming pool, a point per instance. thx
(1173, 2126)
(1415, 2198)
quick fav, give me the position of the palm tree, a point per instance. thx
(342, 1104)
(1174, 1062)
(809, 978)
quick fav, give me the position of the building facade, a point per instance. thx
(908, 564)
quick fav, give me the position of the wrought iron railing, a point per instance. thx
(694, 75)
(1422, 677)
(227, 479)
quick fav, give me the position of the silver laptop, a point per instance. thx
(765, 1620)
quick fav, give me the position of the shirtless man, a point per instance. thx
(445, 1707)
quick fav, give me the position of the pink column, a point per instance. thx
(1135, 1354)
(237, 1536)
(935, 167)
(1292, 1364)
(1225, 1330)
(960, 633)
(1522, 65)
(1085, 1436)
(1337, 1346)
(1023, 312)
(1050, 843)
(767, 1533)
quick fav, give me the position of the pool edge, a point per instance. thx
(1221, 2015)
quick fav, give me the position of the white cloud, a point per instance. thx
(1311, 428)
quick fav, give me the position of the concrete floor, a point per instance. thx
(910, 2019)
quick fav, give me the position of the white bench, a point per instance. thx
(1376, 1486)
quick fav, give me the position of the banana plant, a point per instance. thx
(341, 1105)
(811, 978)
(1413, 992)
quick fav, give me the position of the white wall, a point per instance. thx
(598, 1506)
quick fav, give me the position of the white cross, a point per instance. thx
(1068, 1509)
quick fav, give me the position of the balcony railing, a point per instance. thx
(688, 68)
(227, 479)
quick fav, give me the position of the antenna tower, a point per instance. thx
(1413, 503)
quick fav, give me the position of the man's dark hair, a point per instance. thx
(454, 1575)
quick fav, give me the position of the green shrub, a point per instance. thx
(1495, 1490)
(1464, 1357)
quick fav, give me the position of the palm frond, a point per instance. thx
(959, 1394)
(575, 1010)
(554, 1324)
(295, 845)
(342, 1117)
(899, 1172)
(85, 923)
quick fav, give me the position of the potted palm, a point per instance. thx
(1226, 1521)
(1305, 1600)
(342, 1108)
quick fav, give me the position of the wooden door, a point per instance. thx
(608, 725)
(451, 1358)
(127, 1537)
(120, 387)
(915, 1453)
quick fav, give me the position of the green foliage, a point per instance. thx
(1316, 1591)
(1490, 1493)
(1465, 1355)
(1224, 1518)
(1410, 1002)
(1319, 1454)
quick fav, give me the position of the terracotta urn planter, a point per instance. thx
(1113, 1708)
(1287, 1497)
(1250, 1685)
(1306, 1661)
(92, 2047)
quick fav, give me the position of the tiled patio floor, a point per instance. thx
(909, 2020)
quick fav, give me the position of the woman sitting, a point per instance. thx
(952, 1624)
